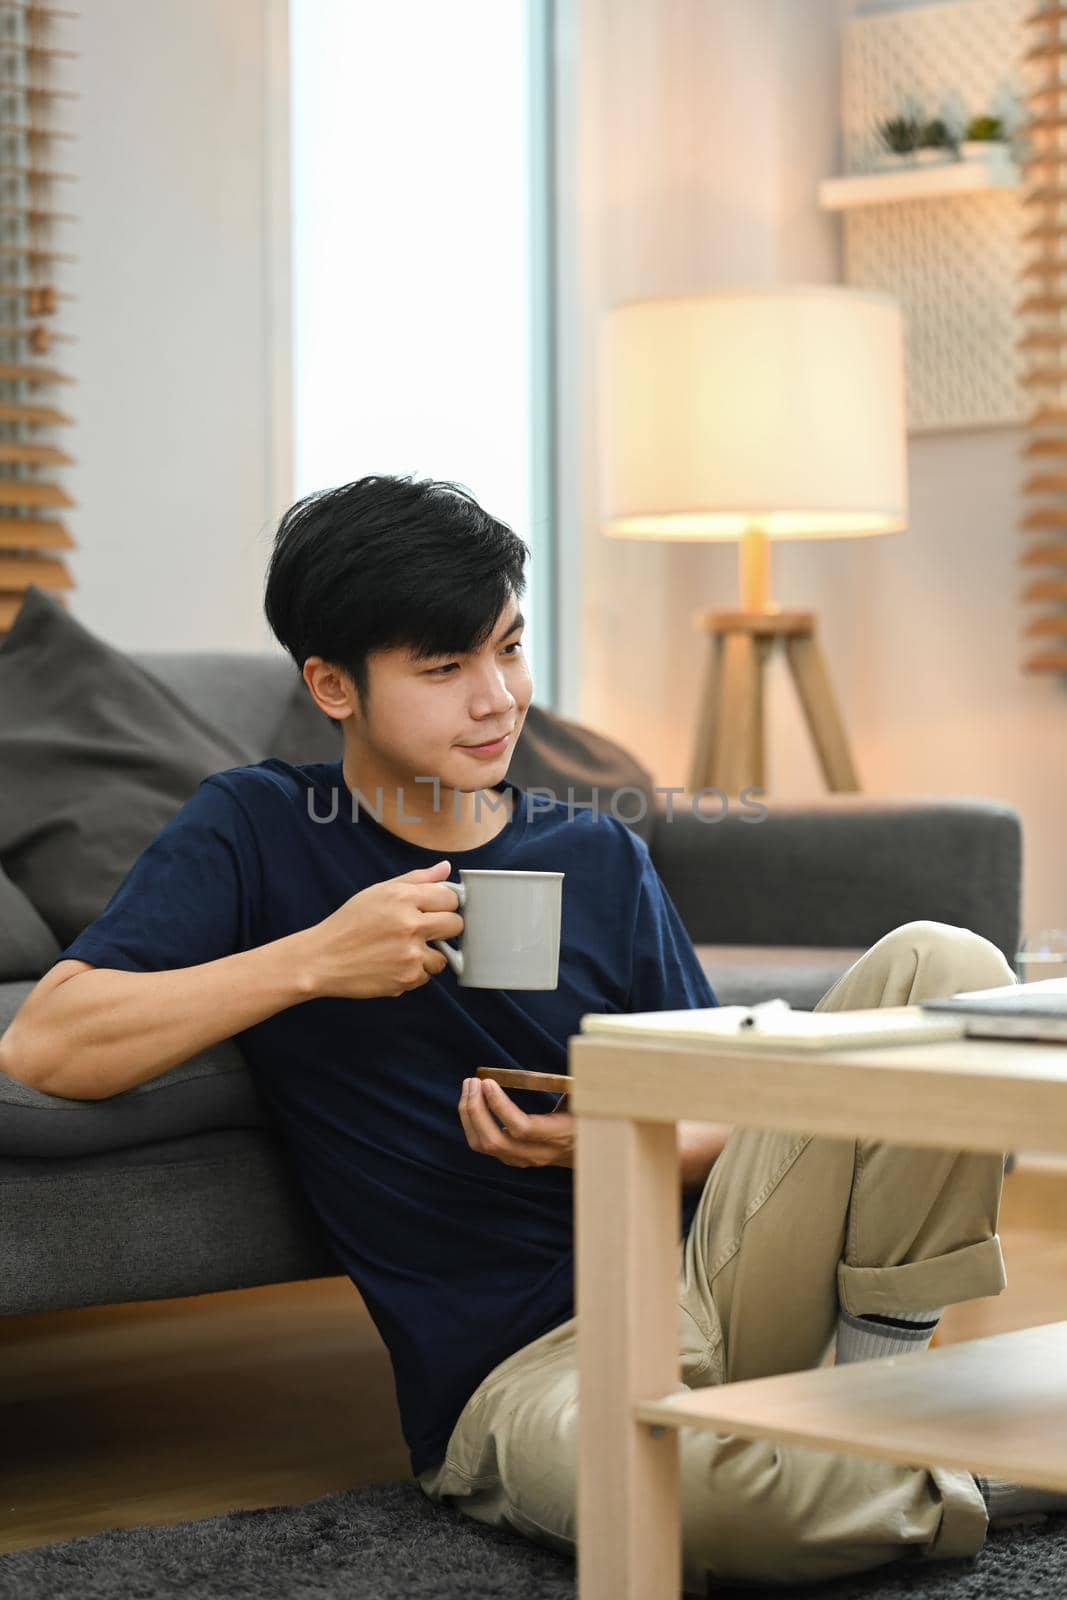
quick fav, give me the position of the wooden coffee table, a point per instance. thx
(996, 1405)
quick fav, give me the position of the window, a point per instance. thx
(422, 307)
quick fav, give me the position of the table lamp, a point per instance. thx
(754, 415)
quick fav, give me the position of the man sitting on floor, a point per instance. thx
(281, 894)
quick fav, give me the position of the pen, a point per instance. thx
(754, 1014)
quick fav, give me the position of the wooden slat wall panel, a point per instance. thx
(36, 228)
(23, 492)
(20, 571)
(1043, 338)
(1047, 555)
(41, 455)
(33, 533)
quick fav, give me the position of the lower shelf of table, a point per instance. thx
(996, 1406)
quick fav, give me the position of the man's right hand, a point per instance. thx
(375, 944)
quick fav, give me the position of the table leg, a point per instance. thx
(627, 1213)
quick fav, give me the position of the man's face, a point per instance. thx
(424, 717)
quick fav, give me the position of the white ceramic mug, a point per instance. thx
(511, 929)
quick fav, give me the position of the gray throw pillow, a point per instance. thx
(28, 946)
(557, 754)
(305, 733)
(96, 756)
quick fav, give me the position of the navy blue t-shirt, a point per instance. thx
(461, 1259)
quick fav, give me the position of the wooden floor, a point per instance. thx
(168, 1410)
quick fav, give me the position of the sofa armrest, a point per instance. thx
(841, 871)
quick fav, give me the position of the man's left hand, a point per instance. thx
(524, 1140)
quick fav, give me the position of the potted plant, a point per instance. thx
(984, 137)
(935, 143)
(900, 136)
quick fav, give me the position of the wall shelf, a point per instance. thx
(932, 182)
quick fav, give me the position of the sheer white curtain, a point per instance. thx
(419, 154)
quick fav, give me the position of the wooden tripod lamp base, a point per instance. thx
(729, 751)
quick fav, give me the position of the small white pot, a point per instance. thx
(929, 155)
(984, 149)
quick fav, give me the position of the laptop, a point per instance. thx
(1016, 1011)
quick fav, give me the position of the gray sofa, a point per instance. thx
(181, 1186)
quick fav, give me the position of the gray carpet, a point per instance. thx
(388, 1542)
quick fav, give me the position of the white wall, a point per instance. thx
(182, 433)
(698, 134)
(683, 165)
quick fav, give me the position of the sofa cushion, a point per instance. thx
(305, 733)
(213, 1211)
(27, 944)
(213, 1089)
(843, 870)
(96, 757)
(240, 693)
(572, 761)
(744, 974)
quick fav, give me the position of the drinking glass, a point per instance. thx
(1043, 955)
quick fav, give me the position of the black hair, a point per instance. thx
(385, 562)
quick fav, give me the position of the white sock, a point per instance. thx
(1005, 1501)
(864, 1338)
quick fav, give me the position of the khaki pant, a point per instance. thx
(789, 1227)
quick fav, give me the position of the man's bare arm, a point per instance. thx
(87, 1032)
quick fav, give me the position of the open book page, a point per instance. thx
(785, 1029)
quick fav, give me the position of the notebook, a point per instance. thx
(782, 1029)
(1014, 1011)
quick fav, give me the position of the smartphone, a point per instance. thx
(517, 1078)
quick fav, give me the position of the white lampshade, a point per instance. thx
(780, 409)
